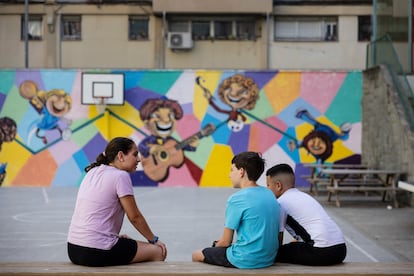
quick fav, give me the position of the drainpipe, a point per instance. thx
(26, 33)
(268, 41)
(59, 35)
(164, 21)
(374, 34)
(410, 36)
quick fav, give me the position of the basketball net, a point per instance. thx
(101, 104)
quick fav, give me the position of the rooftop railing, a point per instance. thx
(382, 51)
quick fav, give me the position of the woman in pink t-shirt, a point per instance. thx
(104, 197)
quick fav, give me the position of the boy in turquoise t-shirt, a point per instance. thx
(253, 213)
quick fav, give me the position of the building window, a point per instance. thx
(138, 28)
(306, 29)
(223, 30)
(71, 27)
(364, 28)
(245, 30)
(34, 27)
(200, 30)
(215, 28)
(395, 27)
(179, 26)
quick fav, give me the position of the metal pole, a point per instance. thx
(410, 36)
(268, 41)
(26, 33)
(60, 39)
(374, 33)
(164, 20)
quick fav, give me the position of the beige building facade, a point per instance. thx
(185, 34)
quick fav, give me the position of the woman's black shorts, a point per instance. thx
(121, 253)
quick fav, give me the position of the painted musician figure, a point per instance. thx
(237, 92)
(160, 116)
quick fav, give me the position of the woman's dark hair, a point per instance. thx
(250, 161)
(114, 146)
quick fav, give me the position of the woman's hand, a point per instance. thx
(163, 248)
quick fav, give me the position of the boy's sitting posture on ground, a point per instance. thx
(253, 212)
(318, 239)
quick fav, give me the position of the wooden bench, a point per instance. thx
(362, 180)
(190, 268)
(317, 180)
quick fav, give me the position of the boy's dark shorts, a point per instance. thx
(216, 256)
(121, 253)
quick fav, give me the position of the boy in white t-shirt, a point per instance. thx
(318, 239)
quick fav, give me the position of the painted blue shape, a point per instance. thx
(137, 96)
(27, 128)
(33, 75)
(346, 106)
(2, 100)
(81, 160)
(7, 81)
(187, 108)
(301, 170)
(160, 81)
(140, 179)
(239, 141)
(67, 174)
(131, 78)
(222, 134)
(261, 78)
(288, 115)
(285, 141)
(58, 79)
(94, 147)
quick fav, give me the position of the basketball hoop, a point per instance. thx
(101, 89)
(100, 104)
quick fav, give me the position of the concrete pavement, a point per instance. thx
(34, 223)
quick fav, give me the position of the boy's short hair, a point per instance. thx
(250, 161)
(278, 169)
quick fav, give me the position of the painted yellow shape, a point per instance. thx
(128, 115)
(217, 170)
(304, 129)
(340, 151)
(15, 156)
(210, 80)
(283, 90)
(103, 125)
(306, 157)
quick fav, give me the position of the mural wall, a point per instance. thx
(188, 124)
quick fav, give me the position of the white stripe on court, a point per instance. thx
(360, 249)
(45, 196)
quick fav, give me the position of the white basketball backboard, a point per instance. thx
(99, 88)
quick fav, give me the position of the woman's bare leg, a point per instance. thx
(148, 252)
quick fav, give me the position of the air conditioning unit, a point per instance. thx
(180, 40)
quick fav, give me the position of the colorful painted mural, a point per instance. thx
(188, 124)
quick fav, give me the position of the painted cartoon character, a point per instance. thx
(238, 92)
(160, 150)
(8, 130)
(319, 142)
(52, 107)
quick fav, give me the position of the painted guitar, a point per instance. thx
(157, 164)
